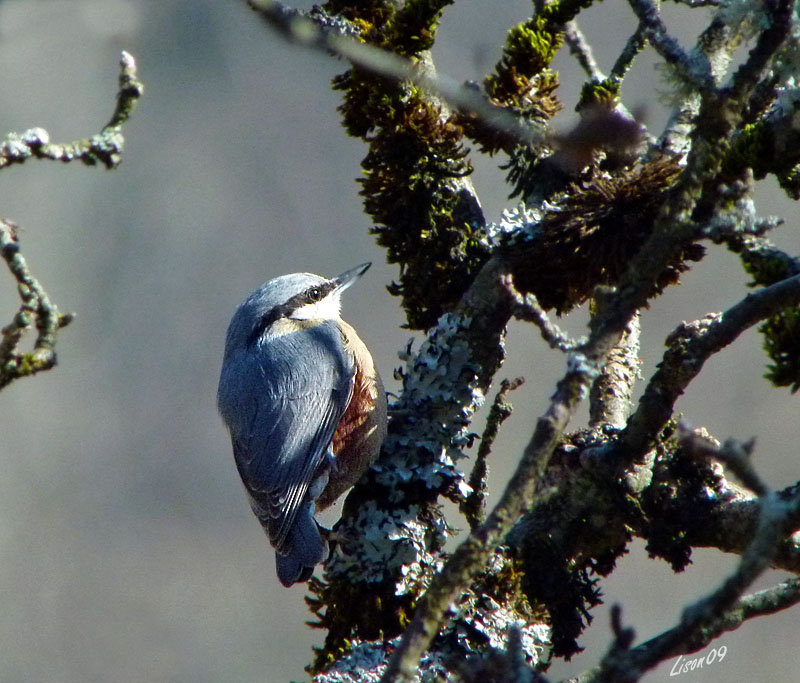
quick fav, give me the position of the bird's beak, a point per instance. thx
(347, 278)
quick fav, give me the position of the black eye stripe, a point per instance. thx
(310, 296)
(314, 294)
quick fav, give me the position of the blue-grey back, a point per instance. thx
(281, 396)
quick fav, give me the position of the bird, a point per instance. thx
(305, 408)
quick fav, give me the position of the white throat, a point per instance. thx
(328, 308)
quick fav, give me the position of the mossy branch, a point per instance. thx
(616, 223)
(304, 30)
(723, 609)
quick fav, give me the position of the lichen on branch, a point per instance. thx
(36, 308)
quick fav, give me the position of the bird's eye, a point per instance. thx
(314, 295)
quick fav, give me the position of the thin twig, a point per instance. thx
(748, 75)
(623, 635)
(581, 50)
(690, 72)
(105, 147)
(530, 310)
(735, 455)
(36, 310)
(767, 601)
(633, 47)
(473, 506)
(130, 90)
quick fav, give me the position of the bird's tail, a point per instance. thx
(303, 549)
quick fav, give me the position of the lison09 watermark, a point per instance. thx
(682, 665)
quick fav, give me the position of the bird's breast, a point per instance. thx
(362, 428)
(358, 413)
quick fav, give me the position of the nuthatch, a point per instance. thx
(305, 408)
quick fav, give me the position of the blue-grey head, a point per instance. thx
(287, 380)
(299, 298)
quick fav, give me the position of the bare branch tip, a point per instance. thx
(528, 308)
(735, 455)
(127, 62)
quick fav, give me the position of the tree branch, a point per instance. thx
(690, 70)
(582, 50)
(36, 309)
(474, 552)
(105, 147)
(688, 348)
(723, 609)
(720, 611)
(734, 454)
(612, 392)
(762, 603)
(473, 506)
(528, 308)
(633, 47)
(779, 22)
(391, 534)
(303, 30)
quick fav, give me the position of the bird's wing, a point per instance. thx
(292, 391)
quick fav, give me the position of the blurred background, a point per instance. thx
(127, 549)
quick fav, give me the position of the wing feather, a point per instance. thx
(282, 400)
